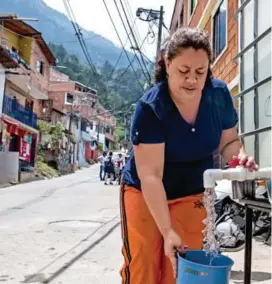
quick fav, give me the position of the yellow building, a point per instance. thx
(25, 61)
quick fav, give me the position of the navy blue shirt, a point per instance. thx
(188, 148)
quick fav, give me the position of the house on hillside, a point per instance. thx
(77, 102)
(240, 32)
(25, 62)
(104, 126)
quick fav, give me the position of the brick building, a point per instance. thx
(27, 60)
(69, 95)
(217, 17)
(240, 32)
(78, 102)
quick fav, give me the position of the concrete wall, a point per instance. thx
(9, 166)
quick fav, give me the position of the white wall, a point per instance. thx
(101, 136)
(9, 167)
(2, 87)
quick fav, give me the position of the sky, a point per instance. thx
(92, 15)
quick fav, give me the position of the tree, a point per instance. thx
(107, 69)
(121, 88)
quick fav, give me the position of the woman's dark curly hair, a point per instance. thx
(182, 38)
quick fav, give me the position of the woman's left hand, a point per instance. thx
(247, 162)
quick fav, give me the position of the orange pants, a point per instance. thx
(145, 262)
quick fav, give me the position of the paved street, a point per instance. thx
(67, 231)
(64, 230)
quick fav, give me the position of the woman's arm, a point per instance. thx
(230, 144)
(150, 163)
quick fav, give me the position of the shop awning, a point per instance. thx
(10, 121)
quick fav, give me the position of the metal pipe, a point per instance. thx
(248, 246)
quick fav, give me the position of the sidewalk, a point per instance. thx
(261, 265)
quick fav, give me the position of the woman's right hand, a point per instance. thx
(172, 245)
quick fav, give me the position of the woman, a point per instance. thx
(177, 126)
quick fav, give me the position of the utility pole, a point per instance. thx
(156, 16)
(125, 122)
(159, 34)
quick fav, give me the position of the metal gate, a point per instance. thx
(255, 78)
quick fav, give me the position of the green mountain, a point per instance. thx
(117, 91)
(57, 28)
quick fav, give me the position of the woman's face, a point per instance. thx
(187, 73)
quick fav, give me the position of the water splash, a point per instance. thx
(211, 245)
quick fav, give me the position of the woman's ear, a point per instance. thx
(167, 63)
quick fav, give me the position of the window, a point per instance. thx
(220, 29)
(40, 67)
(4, 41)
(193, 4)
(69, 99)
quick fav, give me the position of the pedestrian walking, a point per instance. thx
(101, 160)
(109, 169)
(176, 128)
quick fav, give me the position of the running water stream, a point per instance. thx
(211, 246)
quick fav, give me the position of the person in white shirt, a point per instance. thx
(101, 159)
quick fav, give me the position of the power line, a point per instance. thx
(81, 36)
(136, 43)
(74, 41)
(129, 9)
(122, 44)
(132, 60)
(147, 78)
(125, 71)
(76, 27)
(120, 109)
(121, 53)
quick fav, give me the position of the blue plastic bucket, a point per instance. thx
(194, 268)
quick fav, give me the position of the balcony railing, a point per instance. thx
(25, 115)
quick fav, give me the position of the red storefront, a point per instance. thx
(18, 137)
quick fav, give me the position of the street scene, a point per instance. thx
(185, 82)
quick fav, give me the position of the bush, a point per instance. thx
(44, 170)
(40, 157)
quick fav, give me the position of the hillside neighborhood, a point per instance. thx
(69, 104)
(34, 93)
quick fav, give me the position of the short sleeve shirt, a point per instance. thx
(188, 148)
